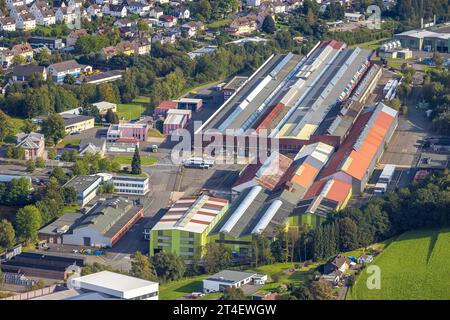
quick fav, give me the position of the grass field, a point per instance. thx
(181, 288)
(126, 160)
(414, 266)
(74, 143)
(220, 23)
(133, 110)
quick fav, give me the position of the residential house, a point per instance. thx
(92, 146)
(125, 23)
(33, 145)
(141, 8)
(191, 28)
(167, 21)
(16, 11)
(68, 15)
(24, 72)
(59, 70)
(109, 51)
(156, 12)
(242, 26)
(117, 10)
(125, 48)
(95, 10)
(24, 51)
(45, 17)
(142, 45)
(7, 24)
(253, 3)
(164, 38)
(25, 21)
(74, 36)
(339, 263)
(38, 6)
(181, 13)
(14, 3)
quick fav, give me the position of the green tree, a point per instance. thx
(168, 266)
(54, 128)
(136, 162)
(70, 195)
(111, 117)
(51, 153)
(7, 234)
(40, 162)
(322, 290)
(31, 166)
(348, 234)
(216, 257)
(6, 128)
(232, 293)
(268, 25)
(60, 175)
(141, 267)
(28, 220)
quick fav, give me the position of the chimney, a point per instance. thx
(421, 23)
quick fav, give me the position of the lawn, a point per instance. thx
(414, 266)
(181, 288)
(133, 110)
(71, 208)
(219, 23)
(74, 143)
(17, 124)
(155, 133)
(371, 45)
(126, 160)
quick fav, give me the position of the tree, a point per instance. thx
(6, 128)
(111, 117)
(136, 162)
(268, 25)
(60, 175)
(69, 79)
(40, 162)
(348, 234)
(31, 167)
(232, 293)
(70, 195)
(51, 153)
(54, 128)
(141, 267)
(437, 59)
(168, 266)
(28, 220)
(302, 293)
(29, 126)
(321, 290)
(7, 234)
(217, 257)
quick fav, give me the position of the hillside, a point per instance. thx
(415, 266)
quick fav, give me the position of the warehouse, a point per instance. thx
(185, 226)
(291, 96)
(431, 39)
(104, 224)
(364, 146)
(176, 119)
(85, 187)
(230, 278)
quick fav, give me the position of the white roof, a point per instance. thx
(191, 214)
(420, 34)
(104, 105)
(114, 284)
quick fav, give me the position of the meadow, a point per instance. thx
(414, 266)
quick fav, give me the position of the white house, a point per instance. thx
(229, 278)
(14, 3)
(68, 15)
(17, 10)
(140, 8)
(95, 10)
(45, 17)
(7, 24)
(117, 286)
(167, 21)
(117, 10)
(156, 12)
(26, 22)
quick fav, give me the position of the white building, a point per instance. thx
(230, 278)
(7, 24)
(118, 286)
(131, 185)
(85, 187)
(253, 3)
(25, 21)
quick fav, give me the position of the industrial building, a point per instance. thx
(231, 279)
(102, 226)
(292, 96)
(176, 119)
(131, 185)
(436, 38)
(85, 187)
(184, 228)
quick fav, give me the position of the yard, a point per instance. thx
(133, 110)
(219, 23)
(181, 288)
(414, 266)
(126, 160)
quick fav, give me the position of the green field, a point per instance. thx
(414, 266)
(220, 23)
(181, 288)
(133, 110)
(126, 160)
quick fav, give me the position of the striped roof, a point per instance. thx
(192, 214)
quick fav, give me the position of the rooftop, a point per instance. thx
(230, 276)
(82, 183)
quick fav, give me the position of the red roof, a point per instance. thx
(168, 104)
(125, 139)
(355, 162)
(339, 186)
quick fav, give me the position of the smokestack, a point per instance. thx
(421, 23)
